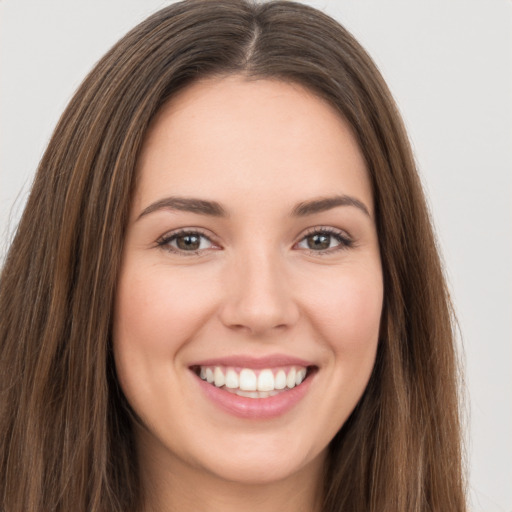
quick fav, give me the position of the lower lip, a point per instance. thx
(255, 408)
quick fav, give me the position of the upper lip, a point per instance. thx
(245, 361)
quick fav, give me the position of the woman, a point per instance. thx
(224, 291)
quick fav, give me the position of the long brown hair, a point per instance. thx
(65, 433)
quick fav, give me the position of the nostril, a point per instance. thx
(264, 305)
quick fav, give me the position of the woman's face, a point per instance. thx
(250, 294)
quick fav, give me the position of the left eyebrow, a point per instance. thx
(327, 203)
(186, 204)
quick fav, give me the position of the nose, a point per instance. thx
(258, 296)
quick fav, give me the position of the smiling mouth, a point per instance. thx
(254, 383)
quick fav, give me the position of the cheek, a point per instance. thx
(157, 311)
(348, 310)
(345, 306)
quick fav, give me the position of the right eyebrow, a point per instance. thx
(327, 203)
(186, 204)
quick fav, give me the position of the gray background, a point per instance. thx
(448, 63)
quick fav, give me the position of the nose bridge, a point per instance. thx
(258, 297)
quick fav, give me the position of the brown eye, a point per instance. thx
(188, 242)
(325, 240)
(318, 241)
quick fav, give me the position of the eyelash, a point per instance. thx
(345, 241)
(166, 240)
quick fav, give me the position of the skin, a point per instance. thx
(254, 287)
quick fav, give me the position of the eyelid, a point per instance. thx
(165, 240)
(345, 239)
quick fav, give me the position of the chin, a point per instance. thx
(262, 468)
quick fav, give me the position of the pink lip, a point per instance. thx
(255, 363)
(255, 408)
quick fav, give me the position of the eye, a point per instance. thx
(186, 241)
(321, 240)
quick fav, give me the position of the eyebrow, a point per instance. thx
(327, 203)
(214, 209)
(186, 204)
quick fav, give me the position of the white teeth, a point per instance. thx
(231, 379)
(253, 394)
(266, 381)
(256, 384)
(248, 381)
(301, 374)
(280, 380)
(220, 380)
(290, 379)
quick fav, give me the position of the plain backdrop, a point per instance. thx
(449, 66)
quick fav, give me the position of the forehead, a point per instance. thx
(257, 138)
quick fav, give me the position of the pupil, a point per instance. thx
(319, 241)
(188, 242)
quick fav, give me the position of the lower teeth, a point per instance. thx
(252, 394)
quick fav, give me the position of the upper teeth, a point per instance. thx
(247, 379)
